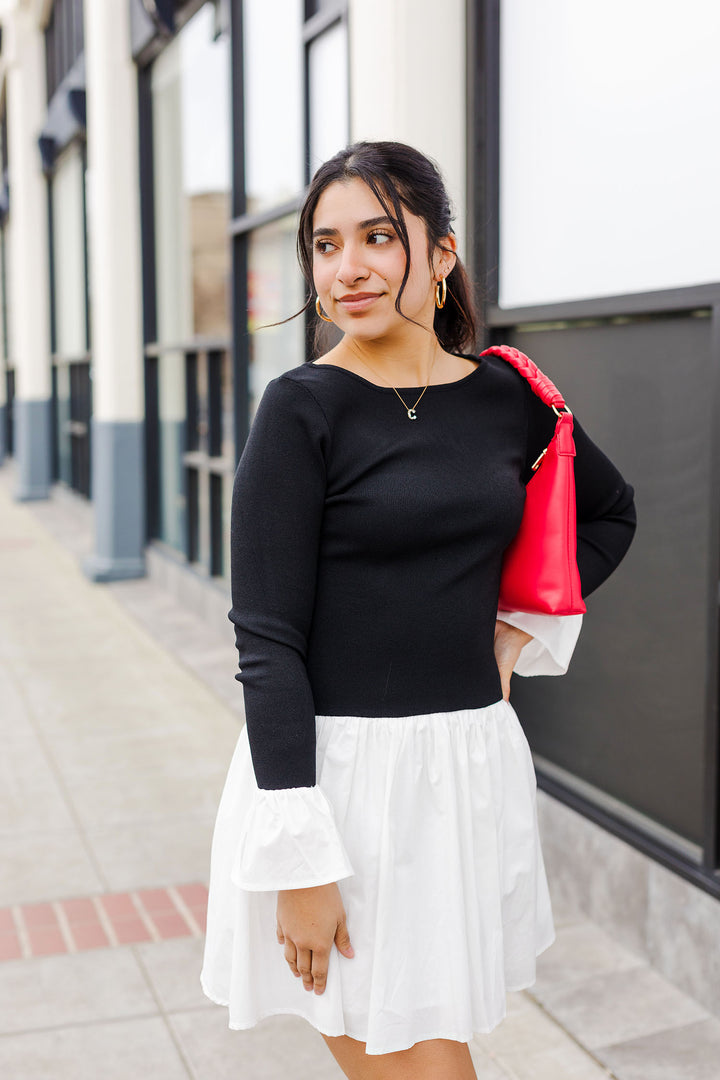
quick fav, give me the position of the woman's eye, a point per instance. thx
(376, 237)
(323, 246)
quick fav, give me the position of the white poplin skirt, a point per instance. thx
(447, 901)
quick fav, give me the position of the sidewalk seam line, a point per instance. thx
(64, 925)
(174, 1037)
(21, 930)
(11, 1034)
(105, 921)
(145, 917)
(184, 910)
(585, 1049)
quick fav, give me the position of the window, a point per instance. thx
(327, 111)
(64, 41)
(191, 156)
(203, 382)
(72, 390)
(601, 133)
(275, 291)
(189, 366)
(296, 115)
(273, 102)
(68, 224)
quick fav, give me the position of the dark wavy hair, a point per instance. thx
(399, 176)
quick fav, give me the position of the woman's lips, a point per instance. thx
(358, 301)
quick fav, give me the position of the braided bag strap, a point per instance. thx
(539, 383)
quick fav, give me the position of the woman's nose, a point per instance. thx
(352, 266)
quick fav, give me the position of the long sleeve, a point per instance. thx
(277, 508)
(554, 638)
(290, 839)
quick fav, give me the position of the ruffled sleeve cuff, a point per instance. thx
(553, 641)
(290, 841)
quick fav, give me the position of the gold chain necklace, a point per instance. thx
(410, 409)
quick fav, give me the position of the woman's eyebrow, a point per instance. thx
(367, 224)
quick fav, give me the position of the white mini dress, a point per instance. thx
(429, 825)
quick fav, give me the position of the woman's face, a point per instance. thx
(359, 264)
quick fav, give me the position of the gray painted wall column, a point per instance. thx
(32, 448)
(118, 473)
(118, 478)
(27, 264)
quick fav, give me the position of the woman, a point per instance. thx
(377, 837)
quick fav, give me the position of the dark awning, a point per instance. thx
(152, 22)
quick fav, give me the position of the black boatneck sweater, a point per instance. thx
(366, 548)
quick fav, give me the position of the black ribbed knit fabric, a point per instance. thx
(366, 548)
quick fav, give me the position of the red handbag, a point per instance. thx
(539, 571)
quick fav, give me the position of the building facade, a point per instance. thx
(154, 156)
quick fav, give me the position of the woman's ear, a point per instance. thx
(445, 256)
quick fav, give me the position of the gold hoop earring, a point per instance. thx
(440, 293)
(319, 310)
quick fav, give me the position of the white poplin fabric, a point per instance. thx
(448, 905)
(553, 643)
(289, 841)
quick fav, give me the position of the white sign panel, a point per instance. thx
(610, 147)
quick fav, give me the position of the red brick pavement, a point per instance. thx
(102, 921)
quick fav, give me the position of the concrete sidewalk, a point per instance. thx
(118, 715)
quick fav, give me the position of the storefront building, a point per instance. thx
(154, 158)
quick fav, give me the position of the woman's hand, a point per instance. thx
(508, 643)
(308, 922)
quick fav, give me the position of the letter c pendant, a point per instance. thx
(411, 414)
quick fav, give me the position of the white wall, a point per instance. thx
(113, 200)
(610, 155)
(29, 313)
(407, 81)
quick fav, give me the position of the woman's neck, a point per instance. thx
(401, 363)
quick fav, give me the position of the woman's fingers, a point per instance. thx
(290, 953)
(505, 667)
(312, 964)
(320, 961)
(509, 642)
(304, 966)
(342, 939)
(308, 922)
